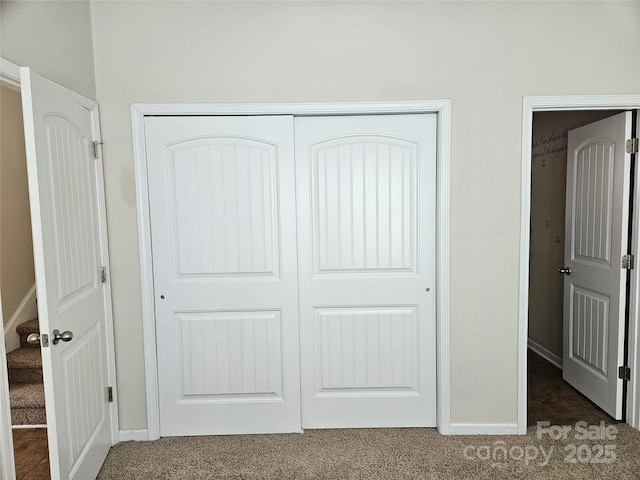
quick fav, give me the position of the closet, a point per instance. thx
(294, 266)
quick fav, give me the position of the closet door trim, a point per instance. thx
(443, 110)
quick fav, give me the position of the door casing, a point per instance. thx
(9, 77)
(441, 107)
(532, 104)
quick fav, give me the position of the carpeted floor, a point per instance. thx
(370, 454)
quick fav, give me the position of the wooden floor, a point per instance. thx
(31, 453)
(552, 399)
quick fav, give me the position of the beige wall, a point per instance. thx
(548, 189)
(52, 37)
(16, 251)
(483, 56)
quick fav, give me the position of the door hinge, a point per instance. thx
(110, 394)
(96, 148)
(632, 145)
(628, 262)
(624, 373)
(102, 274)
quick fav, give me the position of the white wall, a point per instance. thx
(484, 56)
(52, 37)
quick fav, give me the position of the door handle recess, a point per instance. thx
(64, 336)
(565, 270)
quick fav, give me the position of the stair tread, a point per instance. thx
(24, 358)
(26, 395)
(28, 327)
(28, 416)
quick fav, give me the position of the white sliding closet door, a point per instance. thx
(222, 201)
(367, 246)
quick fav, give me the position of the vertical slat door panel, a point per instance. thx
(223, 217)
(222, 203)
(597, 216)
(366, 232)
(67, 216)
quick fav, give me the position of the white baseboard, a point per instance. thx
(456, 429)
(484, 429)
(548, 355)
(27, 310)
(135, 435)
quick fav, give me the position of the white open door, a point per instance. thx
(67, 217)
(222, 205)
(366, 190)
(596, 237)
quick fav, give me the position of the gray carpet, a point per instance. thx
(25, 365)
(370, 454)
(27, 404)
(26, 391)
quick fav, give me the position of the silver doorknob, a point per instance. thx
(33, 339)
(64, 336)
(565, 270)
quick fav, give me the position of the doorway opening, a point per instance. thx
(534, 356)
(550, 398)
(19, 305)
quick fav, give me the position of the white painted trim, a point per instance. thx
(7, 463)
(443, 345)
(146, 273)
(297, 109)
(27, 310)
(484, 429)
(9, 75)
(633, 394)
(441, 107)
(134, 435)
(582, 102)
(525, 240)
(39, 425)
(562, 103)
(548, 355)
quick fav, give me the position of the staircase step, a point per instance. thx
(27, 404)
(25, 365)
(31, 326)
(26, 395)
(27, 328)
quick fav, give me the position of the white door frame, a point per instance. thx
(7, 462)
(565, 103)
(441, 107)
(10, 77)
